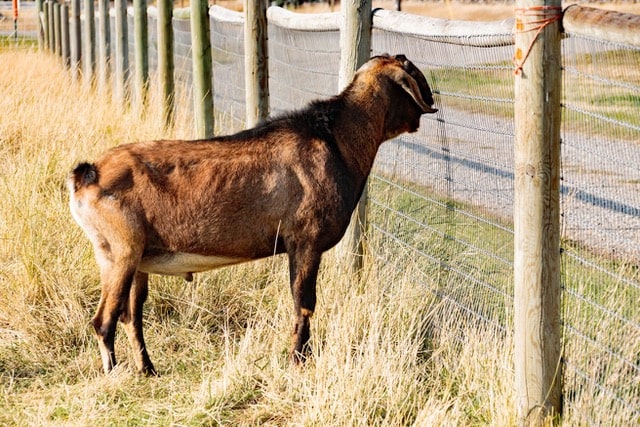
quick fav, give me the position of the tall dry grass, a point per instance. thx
(381, 356)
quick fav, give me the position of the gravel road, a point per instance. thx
(600, 188)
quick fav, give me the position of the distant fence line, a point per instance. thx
(444, 196)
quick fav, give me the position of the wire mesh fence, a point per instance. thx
(447, 190)
(601, 227)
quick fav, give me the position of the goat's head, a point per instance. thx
(408, 93)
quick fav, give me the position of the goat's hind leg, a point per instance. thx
(118, 256)
(116, 283)
(131, 319)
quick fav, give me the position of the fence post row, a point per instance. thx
(537, 336)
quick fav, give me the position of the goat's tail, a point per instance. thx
(83, 175)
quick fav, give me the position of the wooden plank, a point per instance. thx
(537, 337)
(602, 24)
(468, 33)
(226, 15)
(329, 21)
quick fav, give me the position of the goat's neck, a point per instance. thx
(361, 131)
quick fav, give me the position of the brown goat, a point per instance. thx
(287, 185)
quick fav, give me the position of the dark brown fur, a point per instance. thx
(288, 185)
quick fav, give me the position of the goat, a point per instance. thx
(288, 185)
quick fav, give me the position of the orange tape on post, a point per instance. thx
(535, 18)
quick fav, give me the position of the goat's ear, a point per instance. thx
(409, 84)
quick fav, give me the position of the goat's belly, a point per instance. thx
(184, 264)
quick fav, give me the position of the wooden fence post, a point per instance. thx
(45, 25)
(51, 26)
(104, 46)
(141, 52)
(256, 65)
(201, 56)
(165, 60)
(537, 337)
(40, 12)
(57, 42)
(64, 34)
(75, 40)
(355, 50)
(122, 52)
(89, 43)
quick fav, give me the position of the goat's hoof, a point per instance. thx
(299, 358)
(148, 371)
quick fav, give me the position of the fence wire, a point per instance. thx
(601, 228)
(452, 191)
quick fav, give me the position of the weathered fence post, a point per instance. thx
(165, 60)
(45, 25)
(40, 12)
(75, 39)
(64, 34)
(104, 46)
(57, 43)
(51, 27)
(89, 43)
(536, 210)
(256, 65)
(141, 33)
(355, 50)
(201, 55)
(122, 52)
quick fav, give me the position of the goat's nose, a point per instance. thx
(431, 110)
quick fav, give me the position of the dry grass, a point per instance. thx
(381, 358)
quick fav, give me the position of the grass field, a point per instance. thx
(384, 353)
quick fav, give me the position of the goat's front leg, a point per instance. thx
(303, 272)
(131, 319)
